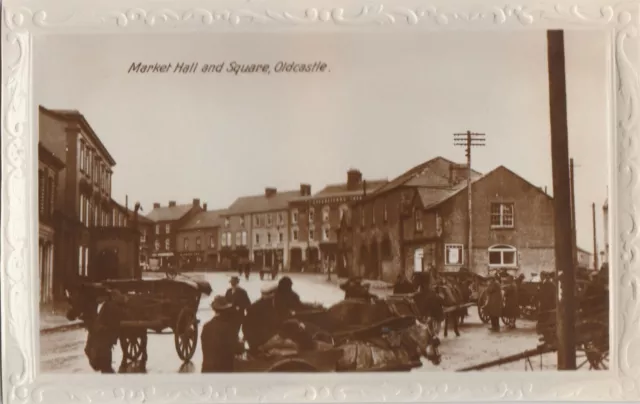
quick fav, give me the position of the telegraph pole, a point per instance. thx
(469, 140)
(565, 313)
(595, 243)
(574, 244)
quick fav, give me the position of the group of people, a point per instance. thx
(502, 299)
(220, 336)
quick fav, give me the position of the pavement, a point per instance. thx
(54, 319)
(63, 352)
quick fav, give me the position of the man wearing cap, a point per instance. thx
(220, 338)
(239, 299)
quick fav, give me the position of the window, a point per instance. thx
(385, 213)
(244, 238)
(143, 236)
(212, 242)
(81, 156)
(343, 211)
(373, 214)
(325, 214)
(269, 219)
(226, 222)
(157, 226)
(223, 241)
(281, 237)
(312, 215)
(238, 238)
(502, 215)
(268, 238)
(280, 218)
(186, 244)
(256, 221)
(241, 221)
(157, 245)
(502, 256)
(198, 245)
(294, 235)
(80, 260)
(454, 254)
(167, 228)
(417, 216)
(257, 239)
(86, 261)
(167, 244)
(325, 234)
(229, 239)
(294, 217)
(311, 234)
(82, 208)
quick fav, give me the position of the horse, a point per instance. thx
(448, 295)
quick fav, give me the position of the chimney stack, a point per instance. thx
(305, 190)
(172, 204)
(196, 202)
(269, 192)
(204, 206)
(354, 179)
(156, 205)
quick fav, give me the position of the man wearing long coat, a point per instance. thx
(219, 339)
(493, 305)
(239, 299)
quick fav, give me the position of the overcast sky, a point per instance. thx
(385, 104)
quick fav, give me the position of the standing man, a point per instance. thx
(494, 303)
(238, 298)
(220, 339)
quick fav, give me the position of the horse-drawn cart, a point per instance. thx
(125, 309)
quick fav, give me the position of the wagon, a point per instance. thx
(156, 305)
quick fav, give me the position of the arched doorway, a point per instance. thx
(418, 258)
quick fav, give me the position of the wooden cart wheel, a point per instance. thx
(133, 346)
(186, 334)
(484, 317)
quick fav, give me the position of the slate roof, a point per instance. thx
(169, 213)
(260, 203)
(130, 213)
(432, 173)
(204, 220)
(341, 190)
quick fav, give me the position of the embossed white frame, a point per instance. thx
(24, 19)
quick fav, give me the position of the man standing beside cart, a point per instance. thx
(494, 303)
(239, 299)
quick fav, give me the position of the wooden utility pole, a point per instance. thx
(595, 242)
(469, 140)
(574, 243)
(565, 270)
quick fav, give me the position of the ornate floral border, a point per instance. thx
(24, 19)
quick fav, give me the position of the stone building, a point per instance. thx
(164, 238)
(257, 228)
(198, 240)
(83, 190)
(315, 221)
(419, 221)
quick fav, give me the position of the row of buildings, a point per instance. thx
(375, 228)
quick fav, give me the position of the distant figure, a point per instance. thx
(547, 295)
(511, 308)
(247, 270)
(494, 303)
(220, 338)
(239, 299)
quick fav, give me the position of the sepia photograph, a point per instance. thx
(406, 202)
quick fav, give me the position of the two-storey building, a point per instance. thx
(419, 221)
(198, 240)
(167, 221)
(83, 191)
(315, 221)
(257, 228)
